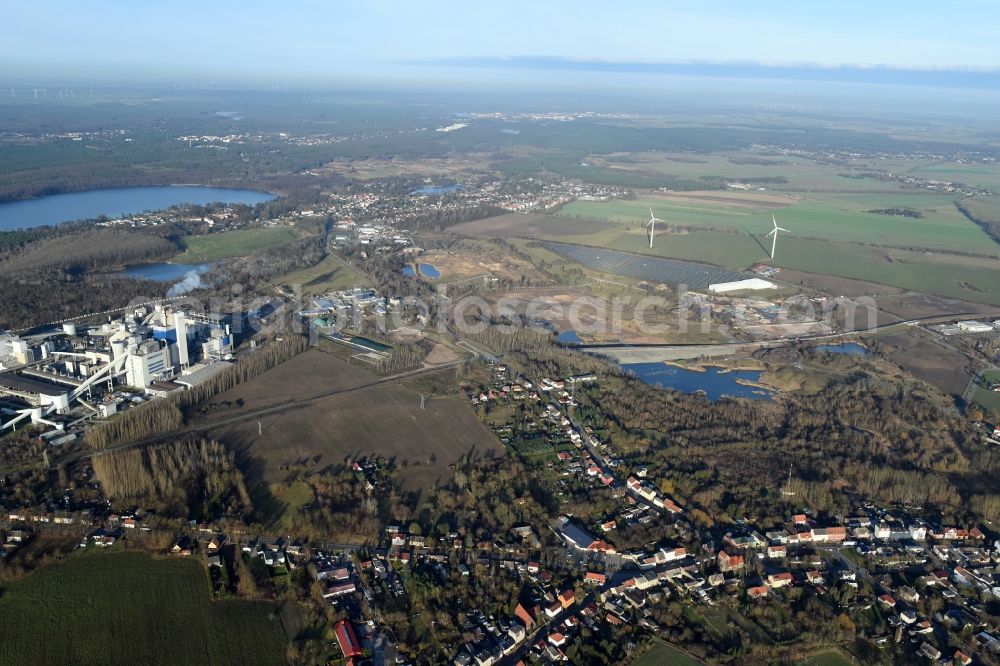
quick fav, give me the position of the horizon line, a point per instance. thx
(948, 76)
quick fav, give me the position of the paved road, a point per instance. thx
(642, 353)
(531, 638)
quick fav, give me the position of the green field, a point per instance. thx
(663, 654)
(942, 253)
(832, 217)
(989, 400)
(129, 608)
(199, 249)
(984, 208)
(955, 276)
(980, 175)
(327, 275)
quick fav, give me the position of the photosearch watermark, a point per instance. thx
(627, 316)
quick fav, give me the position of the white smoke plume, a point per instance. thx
(190, 282)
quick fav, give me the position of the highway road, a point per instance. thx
(650, 353)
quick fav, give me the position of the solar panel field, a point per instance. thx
(654, 269)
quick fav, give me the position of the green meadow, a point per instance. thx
(212, 247)
(941, 252)
(979, 175)
(328, 275)
(837, 218)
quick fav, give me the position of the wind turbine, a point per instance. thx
(774, 232)
(652, 227)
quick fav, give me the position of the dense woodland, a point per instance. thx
(186, 478)
(59, 272)
(46, 298)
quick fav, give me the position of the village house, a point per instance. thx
(526, 618)
(779, 580)
(828, 534)
(729, 562)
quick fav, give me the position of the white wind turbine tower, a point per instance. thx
(652, 226)
(774, 233)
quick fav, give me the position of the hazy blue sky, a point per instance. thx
(334, 39)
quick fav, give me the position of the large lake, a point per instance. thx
(116, 202)
(714, 382)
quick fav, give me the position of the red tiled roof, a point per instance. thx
(347, 639)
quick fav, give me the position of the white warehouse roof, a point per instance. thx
(739, 285)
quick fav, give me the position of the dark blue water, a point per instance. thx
(849, 348)
(430, 271)
(713, 381)
(438, 189)
(115, 202)
(427, 270)
(164, 272)
(569, 337)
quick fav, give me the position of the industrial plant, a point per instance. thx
(67, 374)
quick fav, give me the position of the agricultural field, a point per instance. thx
(664, 654)
(200, 249)
(941, 253)
(941, 366)
(984, 208)
(773, 171)
(836, 215)
(309, 374)
(328, 275)
(841, 217)
(130, 608)
(385, 420)
(978, 175)
(533, 226)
